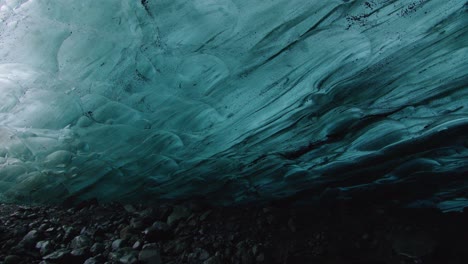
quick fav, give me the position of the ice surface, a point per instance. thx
(235, 100)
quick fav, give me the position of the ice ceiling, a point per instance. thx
(235, 100)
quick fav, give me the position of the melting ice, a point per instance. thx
(234, 100)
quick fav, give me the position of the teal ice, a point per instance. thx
(234, 101)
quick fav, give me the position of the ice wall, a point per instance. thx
(235, 100)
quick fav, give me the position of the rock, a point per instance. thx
(205, 215)
(150, 254)
(117, 244)
(45, 247)
(213, 260)
(147, 216)
(129, 208)
(97, 248)
(136, 223)
(291, 225)
(243, 254)
(413, 244)
(87, 204)
(164, 211)
(270, 219)
(196, 206)
(130, 258)
(80, 242)
(11, 259)
(122, 255)
(178, 213)
(126, 232)
(100, 231)
(80, 252)
(60, 256)
(30, 239)
(79, 255)
(95, 260)
(202, 254)
(43, 227)
(255, 250)
(91, 261)
(176, 247)
(137, 245)
(158, 231)
(20, 231)
(260, 257)
(70, 232)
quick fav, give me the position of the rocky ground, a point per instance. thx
(196, 233)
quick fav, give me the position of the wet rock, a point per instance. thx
(97, 248)
(117, 244)
(60, 256)
(137, 245)
(91, 261)
(202, 254)
(79, 252)
(30, 239)
(70, 233)
(291, 225)
(213, 260)
(136, 223)
(260, 257)
(158, 231)
(270, 219)
(243, 253)
(178, 213)
(205, 215)
(176, 247)
(413, 245)
(95, 260)
(87, 204)
(126, 232)
(130, 258)
(163, 211)
(80, 242)
(43, 228)
(255, 249)
(150, 254)
(12, 259)
(45, 247)
(122, 254)
(130, 208)
(19, 231)
(148, 216)
(196, 206)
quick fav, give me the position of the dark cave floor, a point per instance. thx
(196, 233)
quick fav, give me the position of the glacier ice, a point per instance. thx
(235, 100)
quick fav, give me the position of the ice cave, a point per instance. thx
(234, 101)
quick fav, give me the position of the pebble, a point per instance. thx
(150, 254)
(158, 231)
(11, 259)
(45, 247)
(130, 258)
(30, 239)
(121, 237)
(178, 213)
(97, 247)
(59, 255)
(80, 242)
(117, 244)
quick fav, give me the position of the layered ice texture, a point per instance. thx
(234, 100)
